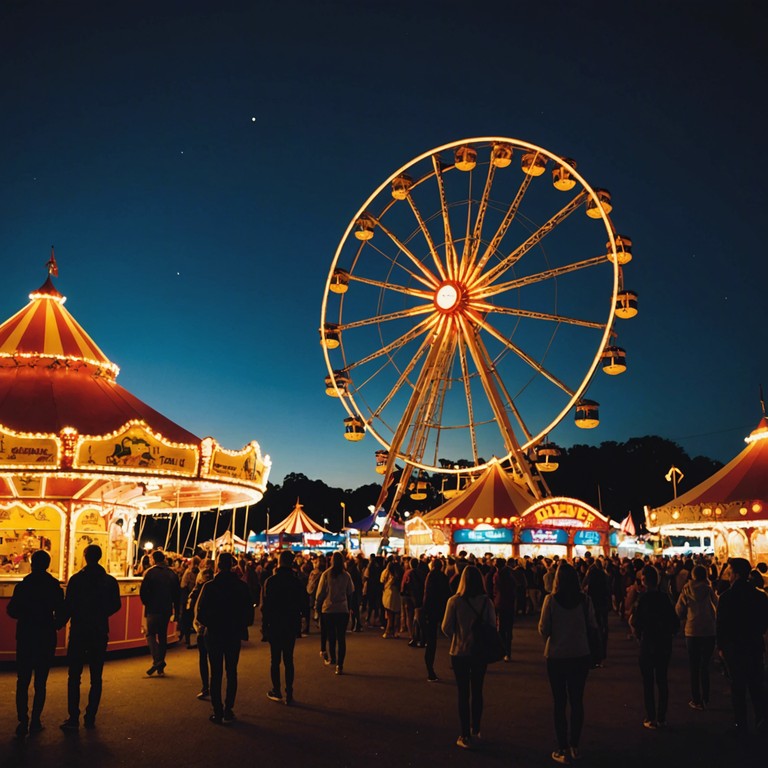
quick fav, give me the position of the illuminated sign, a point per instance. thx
(238, 465)
(587, 538)
(135, 448)
(563, 513)
(543, 536)
(27, 451)
(485, 536)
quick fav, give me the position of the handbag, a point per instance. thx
(486, 640)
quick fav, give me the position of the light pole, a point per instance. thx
(674, 476)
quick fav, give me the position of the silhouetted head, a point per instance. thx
(92, 554)
(225, 561)
(40, 560)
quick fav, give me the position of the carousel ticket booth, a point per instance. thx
(81, 459)
(564, 527)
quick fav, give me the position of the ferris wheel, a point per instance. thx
(469, 304)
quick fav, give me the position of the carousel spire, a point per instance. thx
(53, 267)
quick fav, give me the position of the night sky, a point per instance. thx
(196, 164)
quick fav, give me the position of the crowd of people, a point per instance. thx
(720, 607)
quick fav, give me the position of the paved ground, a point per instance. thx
(380, 712)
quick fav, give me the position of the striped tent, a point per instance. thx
(493, 496)
(297, 522)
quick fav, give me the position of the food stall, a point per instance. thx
(82, 459)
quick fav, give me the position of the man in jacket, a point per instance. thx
(38, 606)
(224, 611)
(742, 620)
(160, 593)
(437, 590)
(92, 597)
(504, 592)
(284, 601)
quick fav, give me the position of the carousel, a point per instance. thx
(82, 460)
(729, 510)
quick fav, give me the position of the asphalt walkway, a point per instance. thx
(382, 711)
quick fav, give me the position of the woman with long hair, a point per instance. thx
(334, 592)
(468, 605)
(391, 578)
(566, 616)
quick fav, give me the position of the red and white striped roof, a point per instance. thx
(45, 329)
(494, 494)
(297, 522)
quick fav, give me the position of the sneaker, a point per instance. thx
(21, 730)
(204, 694)
(274, 695)
(507, 659)
(560, 756)
(651, 725)
(433, 678)
(35, 726)
(575, 753)
(326, 659)
(339, 669)
(70, 724)
(151, 671)
(160, 669)
(289, 699)
(464, 742)
(216, 719)
(228, 716)
(696, 705)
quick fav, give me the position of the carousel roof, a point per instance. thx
(738, 491)
(297, 522)
(493, 494)
(68, 431)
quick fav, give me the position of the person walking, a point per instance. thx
(437, 590)
(469, 605)
(160, 592)
(654, 623)
(597, 585)
(697, 609)
(92, 597)
(742, 620)
(282, 606)
(504, 591)
(391, 579)
(37, 604)
(565, 621)
(225, 611)
(205, 575)
(334, 593)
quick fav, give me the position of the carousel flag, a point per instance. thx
(53, 267)
(628, 525)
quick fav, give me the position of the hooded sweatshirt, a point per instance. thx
(697, 609)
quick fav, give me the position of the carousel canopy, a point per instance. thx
(737, 492)
(297, 522)
(493, 495)
(69, 432)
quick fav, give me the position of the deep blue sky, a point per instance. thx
(194, 242)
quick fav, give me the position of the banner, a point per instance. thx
(18, 451)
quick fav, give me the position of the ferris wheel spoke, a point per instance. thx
(468, 394)
(491, 308)
(388, 286)
(512, 258)
(474, 240)
(377, 319)
(394, 345)
(506, 222)
(538, 277)
(439, 266)
(428, 278)
(450, 248)
(509, 344)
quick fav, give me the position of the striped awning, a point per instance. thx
(45, 329)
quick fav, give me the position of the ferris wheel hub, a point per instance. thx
(448, 296)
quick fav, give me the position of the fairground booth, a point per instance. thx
(299, 533)
(565, 527)
(730, 509)
(480, 519)
(82, 459)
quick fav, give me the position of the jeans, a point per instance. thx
(281, 645)
(32, 658)
(202, 656)
(654, 665)
(82, 651)
(157, 636)
(336, 624)
(700, 651)
(567, 679)
(469, 673)
(506, 622)
(223, 654)
(430, 626)
(746, 671)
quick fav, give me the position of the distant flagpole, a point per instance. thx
(762, 400)
(53, 267)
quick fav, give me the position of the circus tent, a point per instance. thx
(732, 504)
(298, 522)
